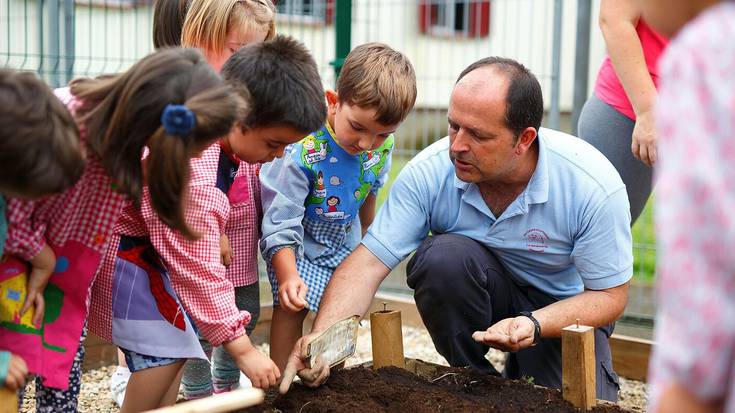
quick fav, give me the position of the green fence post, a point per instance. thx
(343, 34)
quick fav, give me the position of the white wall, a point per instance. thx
(110, 40)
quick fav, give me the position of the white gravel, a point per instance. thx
(95, 394)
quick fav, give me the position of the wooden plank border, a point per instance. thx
(630, 355)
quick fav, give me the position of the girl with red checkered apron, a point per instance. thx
(219, 27)
(192, 271)
(41, 156)
(171, 102)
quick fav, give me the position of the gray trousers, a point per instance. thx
(460, 287)
(611, 133)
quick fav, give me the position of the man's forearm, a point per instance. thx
(592, 308)
(352, 288)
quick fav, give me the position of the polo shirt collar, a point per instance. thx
(537, 191)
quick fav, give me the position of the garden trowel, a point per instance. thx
(335, 344)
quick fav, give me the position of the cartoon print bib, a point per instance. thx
(339, 181)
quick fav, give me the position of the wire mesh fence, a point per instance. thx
(64, 39)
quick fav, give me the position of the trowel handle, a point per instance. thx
(225, 402)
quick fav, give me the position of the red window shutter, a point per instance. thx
(329, 13)
(479, 19)
(424, 16)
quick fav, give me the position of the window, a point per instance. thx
(308, 11)
(470, 18)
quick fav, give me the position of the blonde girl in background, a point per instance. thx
(220, 27)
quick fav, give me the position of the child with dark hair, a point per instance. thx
(313, 197)
(173, 104)
(191, 272)
(41, 155)
(218, 28)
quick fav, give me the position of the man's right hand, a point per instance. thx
(299, 365)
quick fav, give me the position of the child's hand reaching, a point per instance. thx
(261, 370)
(292, 294)
(42, 266)
(225, 250)
(17, 372)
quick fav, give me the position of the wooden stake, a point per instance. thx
(578, 365)
(8, 400)
(387, 338)
(225, 402)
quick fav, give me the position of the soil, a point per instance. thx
(436, 389)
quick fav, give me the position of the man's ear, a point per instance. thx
(525, 140)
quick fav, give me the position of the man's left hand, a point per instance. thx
(510, 334)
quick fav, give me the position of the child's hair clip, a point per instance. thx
(178, 120)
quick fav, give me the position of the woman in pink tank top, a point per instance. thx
(618, 117)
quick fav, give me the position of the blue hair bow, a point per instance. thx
(178, 120)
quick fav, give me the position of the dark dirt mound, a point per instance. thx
(392, 389)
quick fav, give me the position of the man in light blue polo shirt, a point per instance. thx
(531, 232)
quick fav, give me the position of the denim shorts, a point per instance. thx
(137, 361)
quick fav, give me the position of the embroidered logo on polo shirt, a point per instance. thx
(536, 240)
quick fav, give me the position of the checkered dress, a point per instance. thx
(243, 226)
(317, 271)
(296, 191)
(84, 214)
(195, 269)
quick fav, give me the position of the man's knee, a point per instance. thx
(449, 261)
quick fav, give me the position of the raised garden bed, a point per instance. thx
(425, 388)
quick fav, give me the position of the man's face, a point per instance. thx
(482, 148)
(262, 144)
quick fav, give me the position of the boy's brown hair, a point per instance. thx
(123, 115)
(40, 152)
(376, 76)
(168, 19)
(208, 22)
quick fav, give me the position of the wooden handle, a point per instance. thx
(225, 402)
(8, 401)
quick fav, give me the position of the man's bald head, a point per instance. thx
(521, 89)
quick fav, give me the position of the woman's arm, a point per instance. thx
(618, 20)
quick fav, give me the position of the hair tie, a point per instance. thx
(178, 120)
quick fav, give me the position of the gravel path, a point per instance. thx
(95, 395)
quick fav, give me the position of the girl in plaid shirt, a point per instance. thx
(41, 156)
(171, 102)
(191, 272)
(218, 28)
